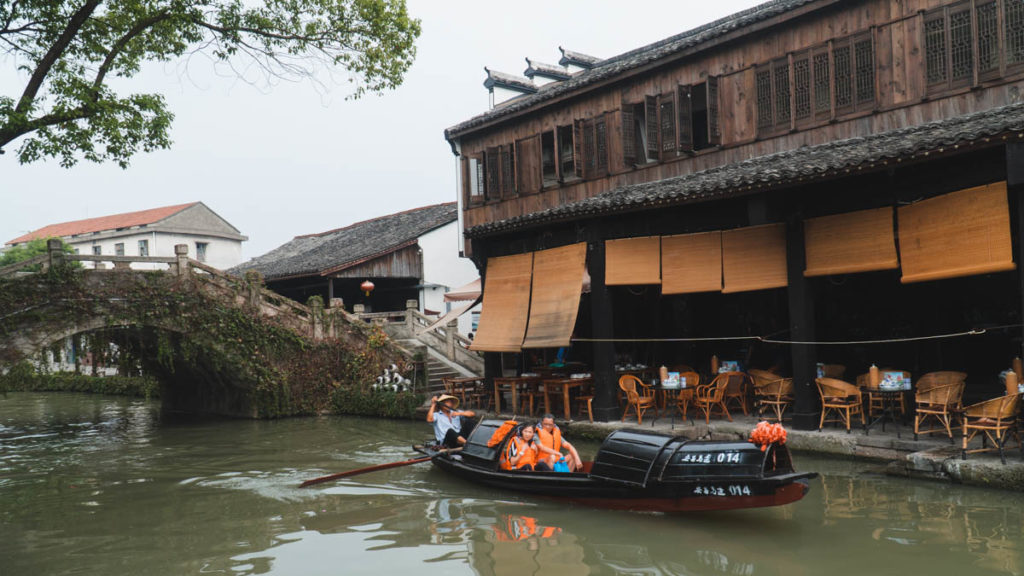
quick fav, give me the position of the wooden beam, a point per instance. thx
(1015, 192)
(801, 328)
(606, 386)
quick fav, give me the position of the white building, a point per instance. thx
(153, 232)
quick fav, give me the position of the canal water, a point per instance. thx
(108, 486)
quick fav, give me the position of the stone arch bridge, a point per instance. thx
(217, 343)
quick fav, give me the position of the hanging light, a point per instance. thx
(366, 287)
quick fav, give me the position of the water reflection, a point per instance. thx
(100, 486)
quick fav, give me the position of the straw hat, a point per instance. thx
(445, 397)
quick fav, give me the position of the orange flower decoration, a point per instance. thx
(766, 433)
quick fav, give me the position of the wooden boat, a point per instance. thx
(643, 470)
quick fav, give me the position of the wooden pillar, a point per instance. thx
(330, 290)
(1015, 191)
(801, 328)
(606, 395)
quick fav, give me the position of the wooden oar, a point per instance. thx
(330, 477)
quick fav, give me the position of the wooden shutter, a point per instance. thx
(601, 146)
(628, 135)
(691, 263)
(589, 149)
(651, 123)
(529, 169)
(854, 242)
(577, 142)
(493, 173)
(667, 122)
(685, 108)
(555, 295)
(754, 258)
(714, 120)
(467, 186)
(958, 234)
(633, 261)
(506, 304)
(508, 187)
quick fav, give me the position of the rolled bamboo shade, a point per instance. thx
(754, 258)
(506, 304)
(632, 261)
(555, 296)
(854, 242)
(691, 263)
(959, 234)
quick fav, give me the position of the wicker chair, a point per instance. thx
(841, 399)
(775, 396)
(638, 396)
(709, 396)
(994, 419)
(736, 389)
(685, 395)
(937, 405)
(760, 379)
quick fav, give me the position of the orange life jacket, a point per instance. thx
(518, 446)
(551, 439)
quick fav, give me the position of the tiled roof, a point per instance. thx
(334, 250)
(616, 65)
(510, 81)
(535, 68)
(802, 165)
(103, 223)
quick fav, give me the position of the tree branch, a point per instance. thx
(140, 27)
(54, 54)
(9, 133)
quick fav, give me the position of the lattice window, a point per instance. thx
(802, 88)
(628, 135)
(508, 170)
(589, 149)
(843, 75)
(714, 128)
(822, 83)
(601, 145)
(780, 82)
(935, 50)
(667, 120)
(864, 58)
(1013, 30)
(988, 37)
(961, 42)
(651, 126)
(493, 172)
(763, 81)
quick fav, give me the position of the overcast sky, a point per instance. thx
(293, 159)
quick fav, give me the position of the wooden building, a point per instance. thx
(809, 177)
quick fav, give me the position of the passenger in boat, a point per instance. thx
(550, 444)
(521, 452)
(450, 427)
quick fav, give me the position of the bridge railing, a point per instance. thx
(412, 324)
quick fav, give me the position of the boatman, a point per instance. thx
(550, 443)
(449, 428)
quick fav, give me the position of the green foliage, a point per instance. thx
(70, 48)
(30, 250)
(384, 403)
(23, 378)
(179, 332)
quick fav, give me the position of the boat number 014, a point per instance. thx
(709, 457)
(730, 490)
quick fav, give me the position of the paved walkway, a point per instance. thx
(931, 457)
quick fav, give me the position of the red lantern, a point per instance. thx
(366, 287)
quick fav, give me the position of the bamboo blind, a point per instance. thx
(691, 263)
(754, 258)
(506, 304)
(959, 234)
(633, 261)
(555, 296)
(854, 242)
